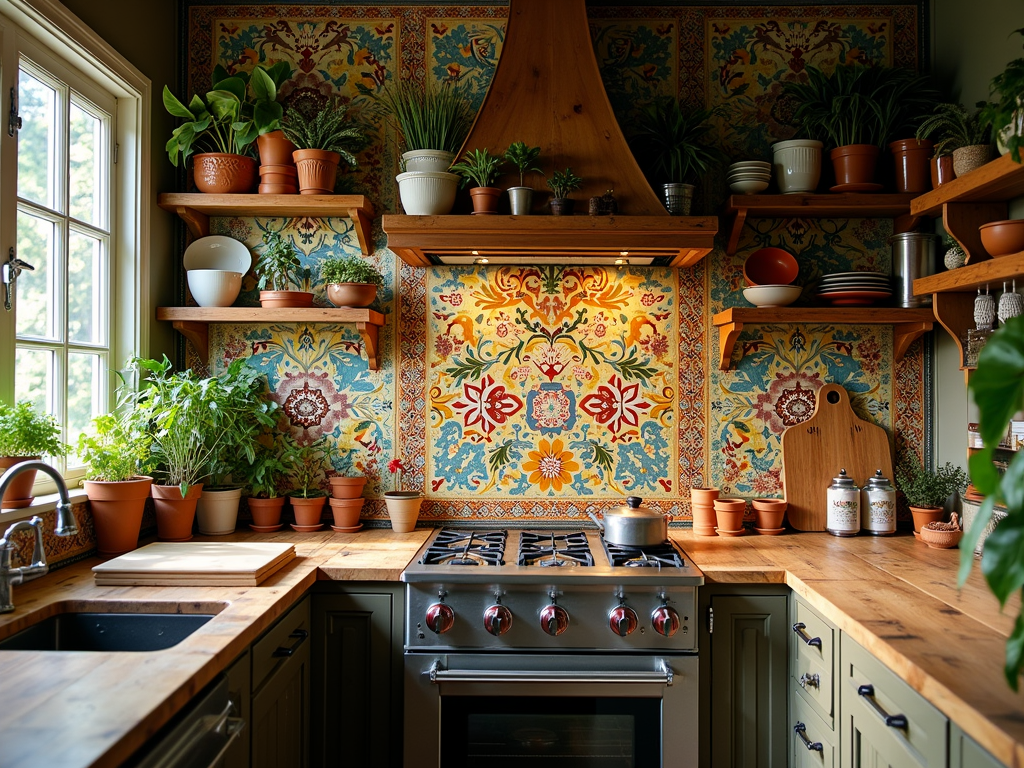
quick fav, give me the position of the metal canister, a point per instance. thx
(878, 506)
(913, 256)
(843, 506)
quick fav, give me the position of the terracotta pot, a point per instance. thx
(174, 514)
(217, 173)
(285, 299)
(278, 189)
(967, 159)
(19, 493)
(116, 510)
(855, 163)
(351, 294)
(317, 171)
(925, 515)
(562, 206)
(704, 496)
(346, 512)
(288, 171)
(266, 512)
(704, 519)
(485, 199)
(913, 166)
(729, 513)
(768, 513)
(307, 511)
(403, 509)
(275, 149)
(347, 487)
(942, 170)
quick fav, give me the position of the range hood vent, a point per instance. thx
(547, 91)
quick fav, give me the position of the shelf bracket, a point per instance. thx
(198, 223)
(735, 227)
(368, 332)
(364, 227)
(955, 313)
(198, 334)
(905, 334)
(727, 335)
(962, 220)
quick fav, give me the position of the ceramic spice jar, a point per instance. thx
(878, 506)
(843, 518)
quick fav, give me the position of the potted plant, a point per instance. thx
(563, 184)
(264, 478)
(351, 281)
(306, 463)
(403, 506)
(114, 450)
(671, 144)
(482, 168)
(322, 141)
(209, 123)
(262, 115)
(959, 132)
(25, 435)
(523, 158)
(926, 491)
(1005, 115)
(277, 269)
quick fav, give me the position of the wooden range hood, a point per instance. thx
(547, 91)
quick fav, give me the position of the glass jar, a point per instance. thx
(878, 506)
(843, 518)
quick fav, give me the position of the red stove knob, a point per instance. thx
(497, 619)
(622, 619)
(440, 618)
(554, 619)
(665, 621)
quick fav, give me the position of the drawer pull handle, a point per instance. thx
(814, 642)
(812, 746)
(892, 721)
(809, 680)
(299, 635)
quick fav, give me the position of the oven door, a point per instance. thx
(568, 710)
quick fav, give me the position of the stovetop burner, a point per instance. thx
(656, 556)
(553, 550)
(452, 547)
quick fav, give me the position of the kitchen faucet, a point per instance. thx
(66, 526)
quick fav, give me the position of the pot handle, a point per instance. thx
(597, 520)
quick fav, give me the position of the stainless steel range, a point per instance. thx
(549, 646)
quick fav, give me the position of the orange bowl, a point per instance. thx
(770, 266)
(1002, 238)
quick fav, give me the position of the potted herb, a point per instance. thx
(403, 506)
(114, 450)
(25, 435)
(351, 281)
(563, 184)
(306, 463)
(482, 168)
(322, 141)
(264, 478)
(1005, 115)
(960, 133)
(262, 115)
(276, 269)
(672, 145)
(523, 158)
(927, 491)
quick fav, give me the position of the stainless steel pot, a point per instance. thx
(633, 525)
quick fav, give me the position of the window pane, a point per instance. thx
(33, 377)
(85, 391)
(36, 309)
(86, 301)
(37, 141)
(87, 179)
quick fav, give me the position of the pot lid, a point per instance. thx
(633, 509)
(843, 480)
(879, 481)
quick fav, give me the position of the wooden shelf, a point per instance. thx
(991, 272)
(193, 323)
(678, 241)
(738, 208)
(195, 209)
(908, 324)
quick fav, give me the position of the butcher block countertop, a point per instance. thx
(894, 596)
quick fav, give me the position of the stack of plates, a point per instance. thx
(748, 177)
(855, 289)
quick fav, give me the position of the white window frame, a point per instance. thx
(49, 26)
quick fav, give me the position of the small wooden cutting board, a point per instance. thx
(814, 451)
(201, 564)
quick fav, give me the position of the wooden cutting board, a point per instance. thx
(201, 564)
(814, 451)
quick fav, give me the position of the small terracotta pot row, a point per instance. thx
(716, 516)
(267, 512)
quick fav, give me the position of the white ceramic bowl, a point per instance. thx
(214, 287)
(427, 193)
(217, 252)
(746, 164)
(748, 186)
(772, 295)
(749, 177)
(436, 160)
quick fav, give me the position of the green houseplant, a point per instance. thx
(264, 478)
(323, 141)
(262, 113)
(926, 491)
(959, 132)
(25, 434)
(351, 281)
(1005, 114)
(563, 184)
(307, 465)
(482, 168)
(276, 269)
(524, 159)
(432, 121)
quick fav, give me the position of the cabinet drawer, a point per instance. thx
(813, 658)
(811, 740)
(883, 718)
(280, 642)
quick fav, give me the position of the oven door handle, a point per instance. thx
(438, 674)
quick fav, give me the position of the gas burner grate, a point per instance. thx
(655, 556)
(549, 550)
(454, 547)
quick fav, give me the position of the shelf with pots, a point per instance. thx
(908, 324)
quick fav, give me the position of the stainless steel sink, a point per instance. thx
(96, 631)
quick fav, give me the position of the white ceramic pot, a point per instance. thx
(797, 164)
(217, 511)
(427, 193)
(214, 287)
(403, 509)
(435, 160)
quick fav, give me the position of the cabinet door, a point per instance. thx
(357, 698)
(965, 752)
(239, 691)
(748, 681)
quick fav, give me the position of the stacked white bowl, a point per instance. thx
(748, 177)
(214, 266)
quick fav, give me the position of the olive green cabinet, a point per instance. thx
(744, 676)
(965, 752)
(239, 676)
(357, 682)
